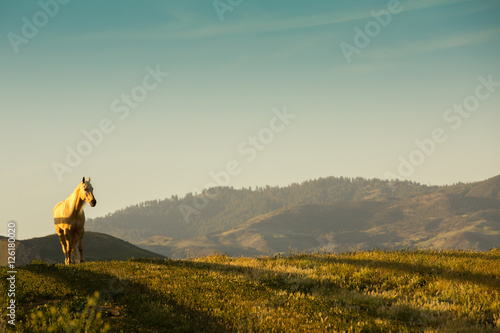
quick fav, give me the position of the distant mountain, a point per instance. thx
(426, 222)
(224, 208)
(97, 246)
(487, 189)
(332, 214)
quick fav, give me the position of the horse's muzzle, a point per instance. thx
(93, 203)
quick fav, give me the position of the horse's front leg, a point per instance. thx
(67, 254)
(65, 246)
(70, 235)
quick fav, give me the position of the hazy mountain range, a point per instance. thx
(328, 214)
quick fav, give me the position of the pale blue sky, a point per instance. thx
(226, 77)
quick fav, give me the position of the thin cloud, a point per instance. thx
(425, 4)
(178, 28)
(373, 59)
(249, 25)
(421, 47)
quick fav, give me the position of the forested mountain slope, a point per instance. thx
(224, 208)
(332, 214)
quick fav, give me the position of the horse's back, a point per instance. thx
(58, 209)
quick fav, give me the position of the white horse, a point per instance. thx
(69, 219)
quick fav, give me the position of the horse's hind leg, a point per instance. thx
(80, 245)
(72, 244)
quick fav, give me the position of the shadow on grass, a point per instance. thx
(459, 275)
(493, 254)
(136, 306)
(146, 309)
(352, 302)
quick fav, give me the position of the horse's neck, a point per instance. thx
(75, 203)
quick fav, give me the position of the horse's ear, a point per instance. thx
(89, 180)
(83, 180)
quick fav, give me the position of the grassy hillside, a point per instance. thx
(376, 291)
(97, 246)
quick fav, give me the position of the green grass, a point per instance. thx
(375, 291)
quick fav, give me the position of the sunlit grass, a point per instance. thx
(360, 291)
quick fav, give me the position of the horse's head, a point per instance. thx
(87, 192)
